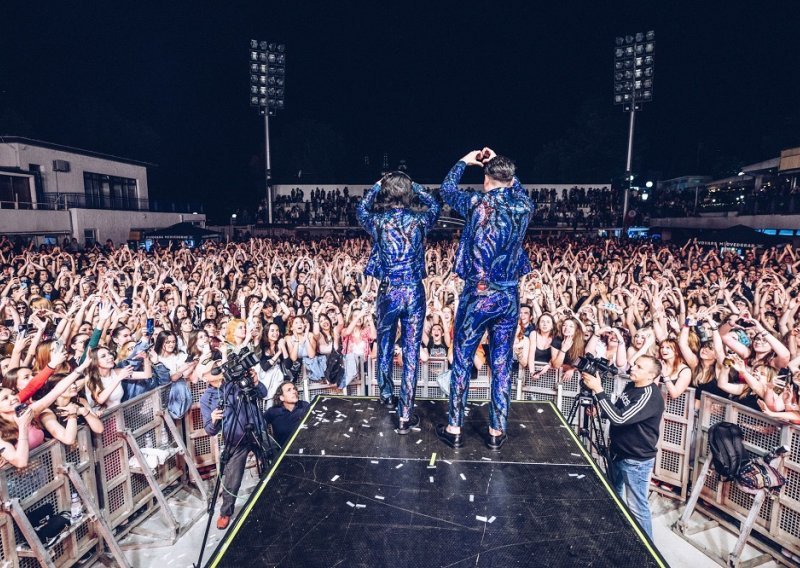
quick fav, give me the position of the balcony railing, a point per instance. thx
(63, 201)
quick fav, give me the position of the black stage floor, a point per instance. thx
(349, 492)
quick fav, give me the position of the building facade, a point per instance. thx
(50, 191)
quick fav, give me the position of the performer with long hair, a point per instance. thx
(491, 260)
(398, 262)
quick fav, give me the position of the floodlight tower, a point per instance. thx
(267, 88)
(634, 58)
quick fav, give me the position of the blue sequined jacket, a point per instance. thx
(495, 225)
(398, 237)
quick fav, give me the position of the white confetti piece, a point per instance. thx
(350, 429)
(576, 455)
(381, 434)
(300, 451)
(581, 476)
(360, 506)
(430, 478)
(381, 497)
(374, 461)
(365, 421)
(540, 411)
(343, 415)
(448, 462)
(472, 498)
(351, 504)
(334, 478)
(325, 420)
(481, 518)
(356, 404)
(573, 475)
(337, 421)
(491, 519)
(487, 459)
(324, 408)
(398, 466)
(366, 426)
(463, 477)
(392, 412)
(322, 453)
(522, 426)
(419, 441)
(346, 435)
(359, 410)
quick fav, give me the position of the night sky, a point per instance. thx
(167, 82)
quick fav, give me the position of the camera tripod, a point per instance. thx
(589, 428)
(255, 438)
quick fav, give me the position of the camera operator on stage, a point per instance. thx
(218, 417)
(635, 422)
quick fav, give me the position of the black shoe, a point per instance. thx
(389, 403)
(455, 441)
(494, 443)
(405, 426)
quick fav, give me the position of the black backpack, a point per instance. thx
(727, 449)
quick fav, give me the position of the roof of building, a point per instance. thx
(53, 146)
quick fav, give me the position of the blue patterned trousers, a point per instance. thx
(494, 310)
(402, 304)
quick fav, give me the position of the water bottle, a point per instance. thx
(76, 508)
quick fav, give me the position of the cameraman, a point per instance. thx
(216, 418)
(635, 423)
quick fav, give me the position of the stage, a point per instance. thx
(348, 491)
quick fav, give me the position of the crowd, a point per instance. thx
(575, 207)
(82, 331)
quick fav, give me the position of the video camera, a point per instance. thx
(596, 366)
(236, 369)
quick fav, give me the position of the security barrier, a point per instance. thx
(778, 519)
(674, 458)
(427, 384)
(130, 487)
(53, 474)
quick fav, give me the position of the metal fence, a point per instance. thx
(110, 474)
(778, 518)
(53, 474)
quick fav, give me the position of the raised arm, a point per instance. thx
(434, 207)
(456, 198)
(364, 209)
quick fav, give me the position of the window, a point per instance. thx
(109, 192)
(90, 236)
(15, 192)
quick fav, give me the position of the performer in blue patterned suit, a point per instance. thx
(491, 260)
(398, 262)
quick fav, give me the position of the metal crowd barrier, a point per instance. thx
(129, 489)
(778, 519)
(53, 474)
(427, 385)
(674, 459)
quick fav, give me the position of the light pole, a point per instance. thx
(634, 58)
(233, 220)
(267, 88)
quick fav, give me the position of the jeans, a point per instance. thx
(633, 477)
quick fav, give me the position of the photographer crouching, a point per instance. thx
(230, 404)
(635, 423)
